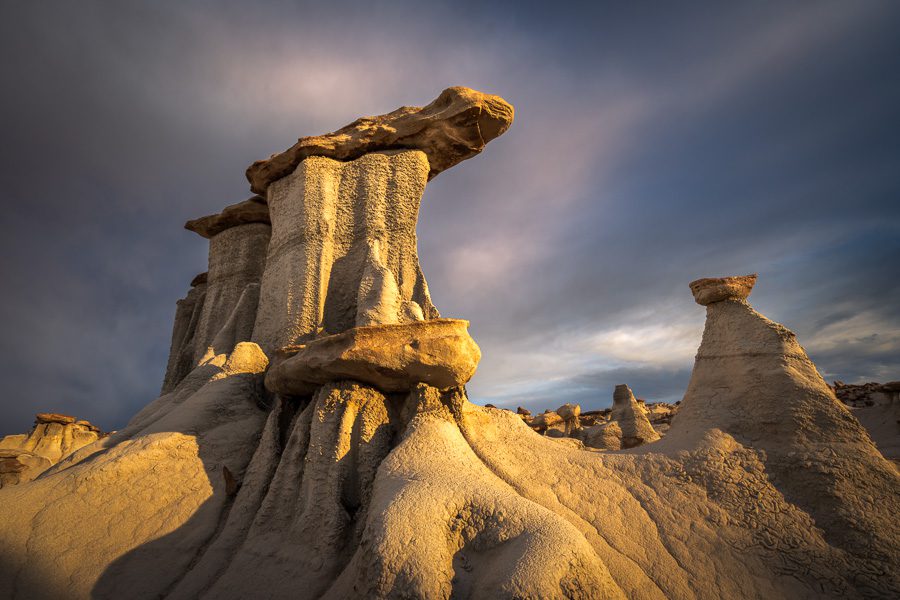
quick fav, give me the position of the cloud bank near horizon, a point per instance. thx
(650, 148)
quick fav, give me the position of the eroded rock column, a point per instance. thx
(343, 246)
(181, 350)
(238, 239)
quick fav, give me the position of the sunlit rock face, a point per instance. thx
(716, 289)
(628, 425)
(341, 233)
(23, 457)
(389, 357)
(456, 126)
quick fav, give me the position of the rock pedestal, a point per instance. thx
(754, 381)
(236, 262)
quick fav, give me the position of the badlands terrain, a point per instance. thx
(313, 438)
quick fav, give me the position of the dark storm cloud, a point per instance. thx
(651, 146)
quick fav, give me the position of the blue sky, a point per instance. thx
(653, 144)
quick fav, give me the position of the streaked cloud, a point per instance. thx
(648, 150)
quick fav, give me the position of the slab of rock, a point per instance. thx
(200, 279)
(454, 127)
(716, 289)
(392, 358)
(546, 421)
(253, 210)
(54, 418)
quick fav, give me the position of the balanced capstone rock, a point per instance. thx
(392, 358)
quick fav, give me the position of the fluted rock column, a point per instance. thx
(238, 239)
(339, 229)
(181, 350)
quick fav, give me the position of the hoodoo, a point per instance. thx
(627, 427)
(314, 439)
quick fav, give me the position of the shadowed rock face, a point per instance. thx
(181, 349)
(454, 127)
(236, 263)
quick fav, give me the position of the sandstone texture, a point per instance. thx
(709, 290)
(355, 474)
(454, 127)
(392, 358)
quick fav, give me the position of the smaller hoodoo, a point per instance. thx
(754, 381)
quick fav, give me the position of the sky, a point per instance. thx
(653, 144)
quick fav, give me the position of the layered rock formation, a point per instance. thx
(54, 436)
(562, 422)
(362, 471)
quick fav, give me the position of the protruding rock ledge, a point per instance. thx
(456, 126)
(200, 279)
(716, 289)
(54, 418)
(392, 358)
(253, 210)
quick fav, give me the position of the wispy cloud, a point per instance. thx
(647, 151)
